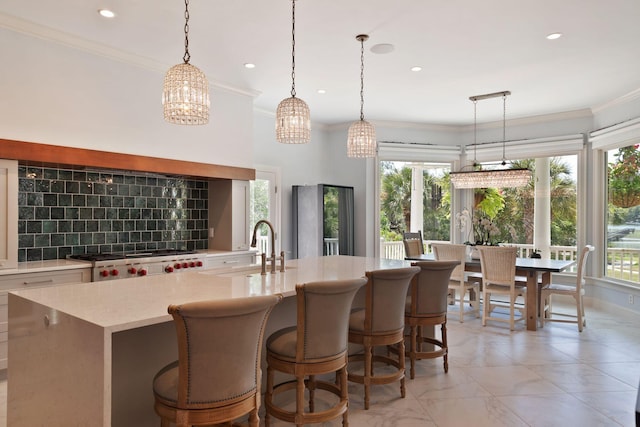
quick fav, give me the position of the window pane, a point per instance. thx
(623, 214)
(430, 213)
(260, 195)
(508, 215)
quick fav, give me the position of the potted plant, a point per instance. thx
(535, 254)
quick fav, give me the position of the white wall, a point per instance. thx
(55, 94)
(300, 164)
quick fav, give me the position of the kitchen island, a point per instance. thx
(86, 354)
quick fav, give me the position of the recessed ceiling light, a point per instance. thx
(322, 91)
(416, 68)
(106, 13)
(249, 65)
(554, 36)
(382, 48)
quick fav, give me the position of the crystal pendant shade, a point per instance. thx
(361, 139)
(185, 97)
(500, 178)
(293, 121)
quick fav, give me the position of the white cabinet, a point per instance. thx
(229, 215)
(20, 281)
(8, 214)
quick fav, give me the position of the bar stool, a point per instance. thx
(217, 376)
(381, 323)
(427, 306)
(316, 345)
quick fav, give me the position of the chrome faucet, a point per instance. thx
(272, 258)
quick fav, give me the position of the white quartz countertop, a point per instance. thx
(49, 265)
(118, 305)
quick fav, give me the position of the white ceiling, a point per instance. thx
(466, 47)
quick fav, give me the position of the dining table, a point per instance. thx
(537, 272)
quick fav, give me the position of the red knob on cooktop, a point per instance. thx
(104, 273)
(192, 264)
(142, 272)
(168, 269)
(133, 270)
(185, 265)
(177, 266)
(114, 272)
(199, 264)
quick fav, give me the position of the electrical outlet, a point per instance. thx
(631, 298)
(211, 233)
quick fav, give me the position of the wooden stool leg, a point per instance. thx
(254, 421)
(368, 371)
(299, 400)
(344, 394)
(402, 368)
(412, 351)
(268, 397)
(311, 385)
(445, 347)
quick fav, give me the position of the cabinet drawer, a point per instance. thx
(48, 278)
(229, 261)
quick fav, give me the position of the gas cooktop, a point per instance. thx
(127, 255)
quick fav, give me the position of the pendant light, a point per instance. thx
(361, 140)
(293, 122)
(494, 178)
(185, 97)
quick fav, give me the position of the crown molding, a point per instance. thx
(628, 97)
(31, 29)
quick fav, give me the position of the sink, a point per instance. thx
(247, 270)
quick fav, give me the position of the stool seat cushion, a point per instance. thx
(283, 343)
(165, 384)
(356, 320)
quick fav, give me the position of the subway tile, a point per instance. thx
(49, 226)
(86, 213)
(93, 226)
(43, 212)
(71, 187)
(93, 176)
(79, 226)
(57, 239)
(79, 200)
(86, 239)
(71, 213)
(26, 240)
(65, 200)
(50, 173)
(65, 175)
(57, 213)
(42, 240)
(56, 186)
(34, 226)
(26, 184)
(22, 226)
(99, 188)
(86, 188)
(26, 212)
(35, 199)
(79, 176)
(72, 239)
(65, 226)
(34, 254)
(42, 185)
(49, 199)
(49, 253)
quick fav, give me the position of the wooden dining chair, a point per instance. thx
(217, 376)
(498, 265)
(413, 243)
(460, 282)
(380, 324)
(576, 291)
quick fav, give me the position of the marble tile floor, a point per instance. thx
(555, 376)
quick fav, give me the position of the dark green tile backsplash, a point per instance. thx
(64, 212)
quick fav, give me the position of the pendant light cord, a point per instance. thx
(293, 49)
(362, 39)
(475, 132)
(504, 127)
(186, 56)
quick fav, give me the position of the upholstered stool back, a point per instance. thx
(217, 375)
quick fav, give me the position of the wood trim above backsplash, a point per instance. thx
(30, 153)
